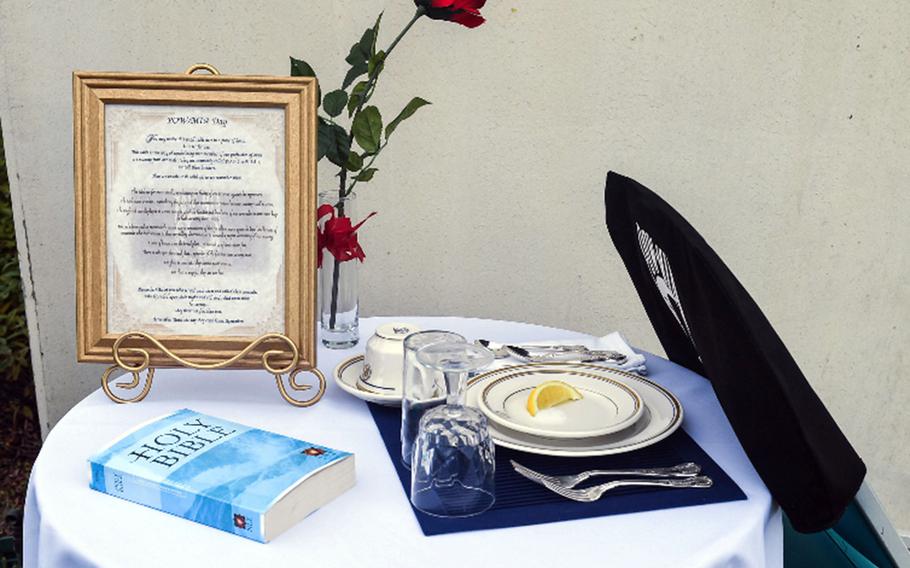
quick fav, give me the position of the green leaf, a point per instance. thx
(332, 142)
(367, 129)
(355, 162)
(377, 62)
(356, 94)
(353, 73)
(323, 138)
(365, 47)
(375, 34)
(366, 42)
(366, 175)
(355, 56)
(338, 154)
(334, 102)
(300, 68)
(407, 112)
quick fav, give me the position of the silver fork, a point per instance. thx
(682, 470)
(594, 493)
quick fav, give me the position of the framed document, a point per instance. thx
(195, 216)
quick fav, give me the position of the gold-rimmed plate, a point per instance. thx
(662, 414)
(347, 374)
(607, 405)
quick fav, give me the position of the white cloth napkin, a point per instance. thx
(613, 341)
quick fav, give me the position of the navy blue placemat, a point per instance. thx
(521, 502)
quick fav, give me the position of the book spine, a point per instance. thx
(177, 501)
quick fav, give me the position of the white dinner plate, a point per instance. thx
(607, 404)
(347, 374)
(661, 415)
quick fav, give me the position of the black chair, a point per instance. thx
(706, 321)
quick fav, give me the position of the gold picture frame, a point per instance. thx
(98, 156)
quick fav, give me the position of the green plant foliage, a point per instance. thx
(15, 361)
(332, 142)
(357, 94)
(366, 125)
(300, 68)
(361, 55)
(367, 129)
(9, 558)
(406, 113)
(366, 175)
(334, 102)
(355, 162)
(374, 67)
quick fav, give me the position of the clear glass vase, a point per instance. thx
(338, 290)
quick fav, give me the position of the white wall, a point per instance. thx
(781, 130)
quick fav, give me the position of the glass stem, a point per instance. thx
(455, 382)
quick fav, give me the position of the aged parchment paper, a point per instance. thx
(195, 219)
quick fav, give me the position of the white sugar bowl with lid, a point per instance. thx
(384, 357)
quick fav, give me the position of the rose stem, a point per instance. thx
(343, 174)
(336, 265)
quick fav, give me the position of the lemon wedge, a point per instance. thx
(551, 393)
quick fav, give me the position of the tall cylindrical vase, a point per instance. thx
(338, 291)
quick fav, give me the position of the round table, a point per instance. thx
(68, 524)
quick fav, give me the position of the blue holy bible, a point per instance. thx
(242, 480)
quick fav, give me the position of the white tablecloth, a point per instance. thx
(69, 525)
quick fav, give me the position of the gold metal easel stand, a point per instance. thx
(278, 372)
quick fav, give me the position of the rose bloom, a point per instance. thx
(464, 12)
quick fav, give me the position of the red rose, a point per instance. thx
(464, 12)
(338, 236)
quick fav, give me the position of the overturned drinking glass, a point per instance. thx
(423, 388)
(453, 466)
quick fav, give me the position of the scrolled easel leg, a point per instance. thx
(298, 387)
(288, 358)
(105, 384)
